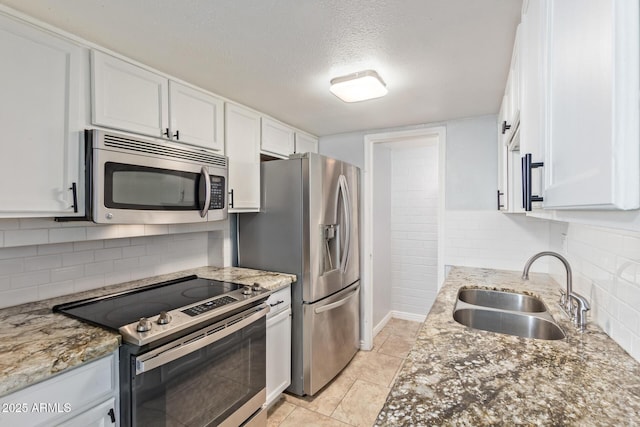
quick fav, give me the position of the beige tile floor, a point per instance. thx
(357, 394)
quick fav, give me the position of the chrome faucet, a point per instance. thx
(572, 303)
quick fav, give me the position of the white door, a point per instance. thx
(43, 80)
(593, 158)
(127, 97)
(196, 117)
(276, 137)
(242, 146)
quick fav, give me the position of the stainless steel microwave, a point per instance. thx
(137, 181)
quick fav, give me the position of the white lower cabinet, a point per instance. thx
(84, 396)
(278, 344)
(102, 415)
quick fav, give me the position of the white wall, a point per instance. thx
(414, 228)
(382, 237)
(44, 259)
(606, 269)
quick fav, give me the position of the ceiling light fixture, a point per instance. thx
(358, 86)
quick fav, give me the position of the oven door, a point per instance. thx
(215, 376)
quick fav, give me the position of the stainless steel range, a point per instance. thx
(193, 352)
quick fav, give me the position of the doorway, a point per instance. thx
(403, 206)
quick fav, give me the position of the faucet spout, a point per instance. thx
(568, 298)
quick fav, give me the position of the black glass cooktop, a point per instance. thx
(114, 311)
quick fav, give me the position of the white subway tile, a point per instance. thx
(1, 239)
(31, 223)
(12, 266)
(126, 264)
(17, 252)
(56, 289)
(5, 284)
(131, 230)
(88, 282)
(67, 273)
(117, 243)
(9, 223)
(43, 262)
(25, 237)
(102, 232)
(26, 280)
(77, 258)
(18, 296)
(88, 246)
(151, 230)
(96, 268)
(107, 254)
(57, 248)
(59, 235)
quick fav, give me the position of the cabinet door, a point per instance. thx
(242, 146)
(196, 117)
(102, 415)
(276, 137)
(306, 143)
(278, 355)
(532, 43)
(127, 97)
(43, 79)
(593, 155)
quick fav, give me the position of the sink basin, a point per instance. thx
(504, 322)
(502, 300)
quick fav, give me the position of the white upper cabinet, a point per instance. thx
(44, 85)
(127, 97)
(532, 41)
(306, 143)
(196, 117)
(133, 99)
(242, 146)
(592, 153)
(277, 138)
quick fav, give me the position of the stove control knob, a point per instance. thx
(164, 318)
(246, 290)
(256, 287)
(144, 325)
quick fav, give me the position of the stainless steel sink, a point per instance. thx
(506, 313)
(502, 300)
(505, 322)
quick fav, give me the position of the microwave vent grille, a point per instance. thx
(162, 150)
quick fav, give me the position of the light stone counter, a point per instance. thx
(36, 343)
(456, 375)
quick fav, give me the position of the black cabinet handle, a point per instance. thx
(505, 127)
(177, 135)
(74, 191)
(166, 132)
(277, 303)
(231, 198)
(527, 197)
(112, 415)
(500, 193)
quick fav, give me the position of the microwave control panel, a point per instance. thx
(217, 192)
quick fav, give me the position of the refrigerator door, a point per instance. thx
(331, 337)
(351, 266)
(326, 227)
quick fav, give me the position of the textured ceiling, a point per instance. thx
(441, 59)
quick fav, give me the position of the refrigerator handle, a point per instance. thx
(344, 192)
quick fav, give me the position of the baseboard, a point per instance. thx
(382, 323)
(403, 315)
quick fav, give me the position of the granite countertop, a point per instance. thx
(456, 375)
(36, 343)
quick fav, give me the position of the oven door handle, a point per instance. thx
(196, 341)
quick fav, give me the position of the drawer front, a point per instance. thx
(279, 300)
(61, 397)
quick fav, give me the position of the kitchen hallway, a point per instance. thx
(357, 394)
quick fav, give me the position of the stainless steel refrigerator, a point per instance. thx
(308, 226)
